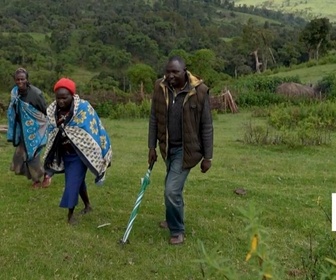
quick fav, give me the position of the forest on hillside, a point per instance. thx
(126, 43)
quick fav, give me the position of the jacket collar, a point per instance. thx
(192, 82)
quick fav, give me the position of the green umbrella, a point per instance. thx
(144, 184)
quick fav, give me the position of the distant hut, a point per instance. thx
(297, 90)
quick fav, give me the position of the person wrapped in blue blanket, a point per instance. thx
(77, 141)
(27, 126)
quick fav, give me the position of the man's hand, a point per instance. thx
(205, 165)
(152, 156)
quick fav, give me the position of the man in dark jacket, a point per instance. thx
(181, 124)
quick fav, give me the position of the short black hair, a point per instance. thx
(179, 59)
(21, 70)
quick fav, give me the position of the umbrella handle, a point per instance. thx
(150, 167)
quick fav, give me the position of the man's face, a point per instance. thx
(63, 98)
(175, 74)
(21, 80)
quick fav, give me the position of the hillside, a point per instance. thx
(310, 75)
(114, 46)
(307, 9)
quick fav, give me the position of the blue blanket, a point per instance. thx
(26, 124)
(87, 135)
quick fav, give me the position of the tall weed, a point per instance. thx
(129, 110)
(260, 257)
(318, 260)
(294, 126)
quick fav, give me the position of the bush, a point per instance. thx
(327, 85)
(259, 90)
(214, 114)
(294, 125)
(261, 83)
(318, 116)
(266, 135)
(250, 99)
(328, 59)
(129, 110)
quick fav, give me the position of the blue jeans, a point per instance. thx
(75, 172)
(173, 194)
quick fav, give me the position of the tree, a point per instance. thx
(6, 74)
(316, 37)
(60, 39)
(142, 47)
(251, 36)
(259, 39)
(202, 64)
(289, 54)
(142, 77)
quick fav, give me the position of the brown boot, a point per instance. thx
(36, 185)
(163, 225)
(177, 240)
(46, 181)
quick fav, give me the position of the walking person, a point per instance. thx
(77, 141)
(181, 124)
(27, 126)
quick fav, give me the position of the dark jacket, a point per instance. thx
(197, 128)
(34, 96)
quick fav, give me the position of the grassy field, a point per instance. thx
(284, 184)
(308, 9)
(310, 74)
(83, 76)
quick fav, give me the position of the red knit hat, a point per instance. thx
(66, 83)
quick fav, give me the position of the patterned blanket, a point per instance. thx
(87, 135)
(26, 124)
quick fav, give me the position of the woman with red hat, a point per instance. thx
(77, 141)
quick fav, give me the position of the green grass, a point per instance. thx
(309, 74)
(82, 75)
(308, 9)
(242, 18)
(39, 37)
(37, 243)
